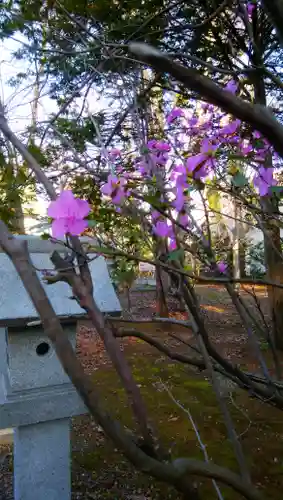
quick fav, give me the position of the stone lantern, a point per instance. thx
(37, 398)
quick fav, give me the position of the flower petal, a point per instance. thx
(106, 189)
(83, 208)
(76, 226)
(63, 206)
(194, 161)
(59, 228)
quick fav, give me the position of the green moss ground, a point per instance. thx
(262, 427)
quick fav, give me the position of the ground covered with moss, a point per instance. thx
(100, 471)
(258, 425)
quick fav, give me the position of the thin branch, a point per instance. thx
(196, 431)
(197, 278)
(129, 109)
(182, 358)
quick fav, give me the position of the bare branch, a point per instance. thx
(183, 358)
(196, 431)
(260, 117)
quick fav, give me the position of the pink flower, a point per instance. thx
(155, 214)
(180, 199)
(205, 106)
(161, 158)
(250, 8)
(143, 167)
(175, 113)
(172, 245)
(234, 139)
(68, 214)
(184, 219)
(246, 148)
(193, 121)
(200, 164)
(179, 175)
(263, 180)
(197, 166)
(115, 189)
(230, 129)
(162, 146)
(163, 229)
(256, 134)
(231, 86)
(222, 267)
(158, 151)
(151, 144)
(114, 153)
(206, 125)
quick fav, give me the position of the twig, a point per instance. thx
(196, 431)
(183, 358)
(224, 409)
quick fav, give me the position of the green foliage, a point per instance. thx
(214, 199)
(45, 236)
(14, 184)
(239, 180)
(255, 260)
(80, 131)
(177, 254)
(277, 191)
(124, 273)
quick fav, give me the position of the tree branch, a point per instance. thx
(85, 298)
(83, 290)
(274, 9)
(183, 358)
(18, 253)
(260, 117)
(176, 473)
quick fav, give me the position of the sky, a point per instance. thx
(18, 100)
(18, 105)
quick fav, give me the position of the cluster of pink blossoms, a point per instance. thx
(214, 139)
(115, 188)
(156, 153)
(69, 213)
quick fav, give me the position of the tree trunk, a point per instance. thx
(18, 224)
(236, 245)
(272, 244)
(155, 126)
(161, 292)
(242, 258)
(274, 267)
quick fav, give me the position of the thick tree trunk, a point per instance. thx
(274, 268)
(272, 244)
(154, 125)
